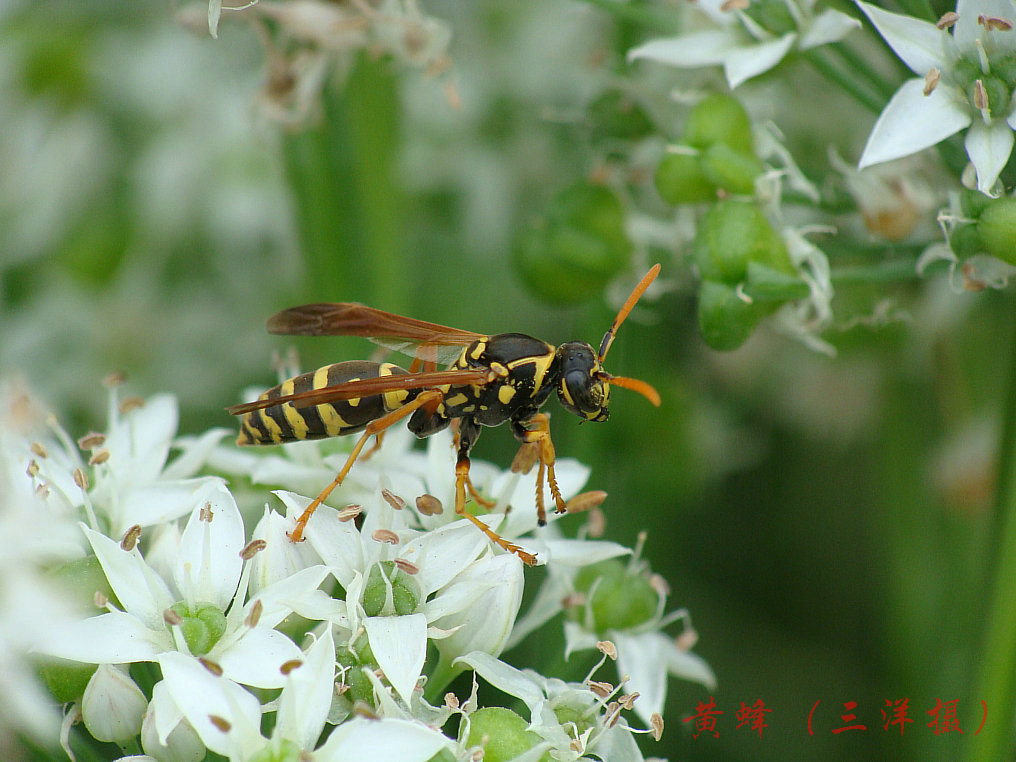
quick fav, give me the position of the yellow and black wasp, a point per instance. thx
(490, 380)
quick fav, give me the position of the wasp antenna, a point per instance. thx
(608, 337)
(646, 390)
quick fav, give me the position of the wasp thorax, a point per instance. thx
(582, 389)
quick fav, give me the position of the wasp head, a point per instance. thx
(583, 387)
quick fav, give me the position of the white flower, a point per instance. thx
(593, 726)
(113, 705)
(744, 46)
(206, 580)
(960, 84)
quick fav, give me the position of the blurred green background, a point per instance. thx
(826, 520)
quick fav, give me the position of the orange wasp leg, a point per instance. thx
(539, 435)
(461, 479)
(373, 428)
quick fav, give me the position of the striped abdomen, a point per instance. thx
(287, 423)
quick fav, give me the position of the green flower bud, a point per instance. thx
(502, 733)
(730, 170)
(280, 751)
(1005, 69)
(730, 235)
(680, 180)
(772, 15)
(964, 73)
(390, 591)
(202, 626)
(616, 115)
(997, 229)
(82, 579)
(359, 685)
(719, 119)
(725, 319)
(973, 202)
(764, 284)
(65, 679)
(577, 248)
(965, 241)
(616, 597)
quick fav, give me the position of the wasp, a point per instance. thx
(489, 380)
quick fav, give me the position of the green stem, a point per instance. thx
(666, 23)
(893, 271)
(439, 680)
(846, 80)
(996, 680)
(861, 64)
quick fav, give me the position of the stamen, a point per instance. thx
(221, 723)
(98, 458)
(392, 499)
(931, 80)
(211, 666)
(350, 512)
(91, 440)
(130, 538)
(252, 548)
(290, 665)
(254, 616)
(607, 648)
(39, 449)
(428, 505)
(386, 535)
(947, 20)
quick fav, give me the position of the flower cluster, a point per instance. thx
(210, 630)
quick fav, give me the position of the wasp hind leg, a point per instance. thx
(377, 428)
(536, 431)
(466, 440)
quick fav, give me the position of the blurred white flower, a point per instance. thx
(963, 81)
(745, 43)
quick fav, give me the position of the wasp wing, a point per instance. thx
(416, 338)
(367, 387)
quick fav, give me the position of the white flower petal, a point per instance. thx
(279, 599)
(208, 564)
(382, 741)
(139, 444)
(968, 30)
(142, 592)
(112, 638)
(504, 677)
(159, 502)
(576, 553)
(307, 697)
(689, 51)
(399, 644)
(442, 553)
(201, 696)
(499, 580)
(919, 44)
(113, 706)
(751, 60)
(988, 146)
(577, 638)
(194, 451)
(256, 657)
(643, 657)
(828, 26)
(689, 666)
(912, 122)
(337, 543)
(281, 558)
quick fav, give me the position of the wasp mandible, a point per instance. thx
(491, 380)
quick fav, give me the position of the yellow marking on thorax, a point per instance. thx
(458, 399)
(541, 364)
(505, 393)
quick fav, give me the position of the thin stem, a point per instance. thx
(895, 270)
(861, 65)
(846, 80)
(996, 681)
